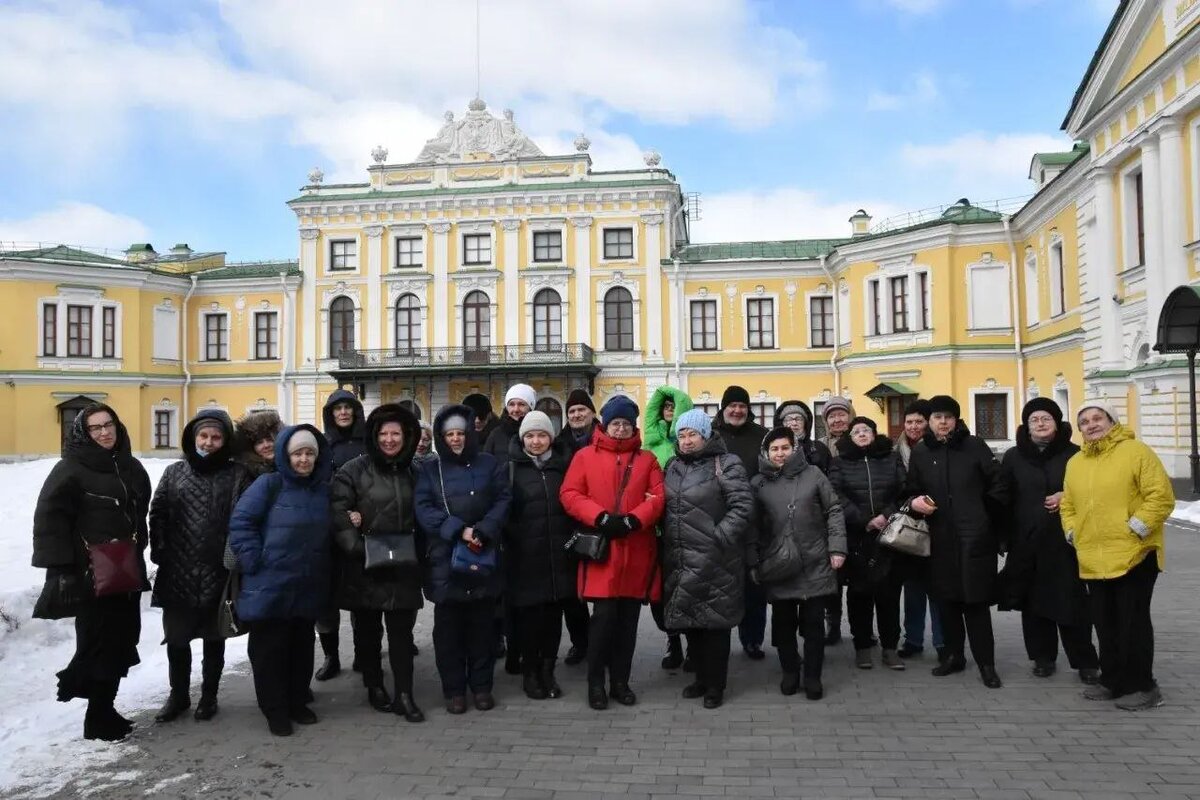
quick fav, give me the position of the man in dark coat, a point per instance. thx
(577, 434)
(519, 400)
(954, 480)
(743, 437)
(346, 433)
(189, 525)
(1042, 572)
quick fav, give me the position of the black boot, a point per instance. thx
(549, 683)
(405, 706)
(210, 671)
(101, 721)
(833, 622)
(379, 699)
(512, 662)
(333, 664)
(179, 673)
(532, 683)
(674, 656)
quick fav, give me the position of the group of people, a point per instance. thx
(511, 528)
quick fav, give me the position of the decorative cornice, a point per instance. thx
(439, 227)
(581, 222)
(309, 234)
(510, 223)
(373, 231)
(651, 220)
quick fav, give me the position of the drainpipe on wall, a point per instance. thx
(187, 375)
(285, 401)
(837, 329)
(678, 337)
(1015, 316)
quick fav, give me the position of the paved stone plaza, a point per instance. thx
(877, 734)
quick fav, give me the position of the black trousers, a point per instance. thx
(806, 618)
(961, 621)
(1121, 613)
(881, 601)
(575, 614)
(538, 632)
(1041, 641)
(612, 637)
(368, 646)
(281, 658)
(709, 650)
(179, 667)
(753, 627)
(464, 638)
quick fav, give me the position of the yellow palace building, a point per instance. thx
(485, 262)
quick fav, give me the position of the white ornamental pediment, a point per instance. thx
(343, 289)
(478, 136)
(897, 264)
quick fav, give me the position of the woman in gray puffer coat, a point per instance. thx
(801, 544)
(708, 513)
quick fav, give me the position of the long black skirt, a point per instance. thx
(106, 638)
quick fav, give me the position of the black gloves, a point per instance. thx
(631, 523)
(612, 526)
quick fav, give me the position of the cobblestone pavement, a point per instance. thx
(877, 734)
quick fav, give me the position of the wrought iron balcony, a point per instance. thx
(564, 357)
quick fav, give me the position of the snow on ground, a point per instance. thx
(1187, 512)
(41, 740)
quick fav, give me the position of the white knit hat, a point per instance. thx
(536, 421)
(1101, 403)
(301, 438)
(521, 391)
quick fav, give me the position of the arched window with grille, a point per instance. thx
(408, 324)
(618, 319)
(547, 321)
(341, 326)
(477, 324)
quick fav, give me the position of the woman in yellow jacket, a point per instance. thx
(1116, 499)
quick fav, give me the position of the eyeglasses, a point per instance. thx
(104, 426)
(790, 418)
(1041, 419)
(620, 423)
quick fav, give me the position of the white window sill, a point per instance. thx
(989, 332)
(86, 363)
(906, 339)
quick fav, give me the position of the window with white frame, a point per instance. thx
(618, 319)
(166, 334)
(408, 324)
(79, 331)
(410, 251)
(820, 321)
(343, 254)
(764, 414)
(1133, 218)
(898, 303)
(923, 300)
(216, 337)
(987, 287)
(477, 248)
(991, 416)
(898, 292)
(710, 409)
(266, 335)
(547, 246)
(49, 329)
(1062, 396)
(163, 424)
(704, 324)
(78, 324)
(547, 321)
(618, 243)
(341, 326)
(108, 331)
(1058, 279)
(1031, 287)
(760, 323)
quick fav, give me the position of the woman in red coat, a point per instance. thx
(616, 488)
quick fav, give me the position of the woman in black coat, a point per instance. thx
(1042, 570)
(869, 478)
(96, 493)
(373, 494)
(540, 575)
(954, 480)
(189, 525)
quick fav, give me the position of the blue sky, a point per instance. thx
(195, 121)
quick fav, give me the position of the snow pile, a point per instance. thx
(41, 740)
(1187, 512)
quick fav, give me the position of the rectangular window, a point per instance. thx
(991, 416)
(1141, 221)
(108, 317)
(547, 246)
(266, 335)
(49, 329)
(760, 323)
(708, 408)
(162, 429)
(923, 299)
(764, 414)
(477, 248)
(820, 321)
(79, 331)
(410, 252)
(704, 324)
(899, 289)
(819, 430)
(343, 255)
(216, 337)
(1058, 282)
(876, 318)
(618, 242)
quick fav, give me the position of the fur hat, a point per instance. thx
(480, 404)
(696, 420)
(619, 407)
(1041, 404)
(536, 421)
(944, 404)
(256, 426)
(870, 423)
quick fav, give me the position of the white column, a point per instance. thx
(652, 228)
(512, 296)
(440, 315)
(1174, 209)
(1102, 270)
(674, 309)
(583, 279)
(307, 358)
(374, 313)
(1156, 293)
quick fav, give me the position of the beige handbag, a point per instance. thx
(905, 533)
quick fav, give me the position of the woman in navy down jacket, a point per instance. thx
(464, 496)
(280, 536)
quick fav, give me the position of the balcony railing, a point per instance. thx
(524, 356)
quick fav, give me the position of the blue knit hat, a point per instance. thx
(697, 420)
(619, 407)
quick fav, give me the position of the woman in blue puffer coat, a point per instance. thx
(280, 534)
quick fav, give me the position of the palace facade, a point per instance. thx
(485, 262)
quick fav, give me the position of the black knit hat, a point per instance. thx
(1041, 404)
(918, 407)
(579, 397)
(870, 423)
(944, 404)
(478, 403)
(735, 394)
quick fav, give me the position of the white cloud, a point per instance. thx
(779, 213)
(81, 224)
(921, 90)
(990, 166)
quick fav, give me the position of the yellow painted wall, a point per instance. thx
(1153, 45)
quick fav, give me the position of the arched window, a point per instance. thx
(618, 319)
(552, 409)
(547, 321)
(408, 324)
(411, 405)
(341, 326)
(477, 323)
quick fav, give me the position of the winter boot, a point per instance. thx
(862, 658)
(179, 673)
(892, 660)
(406, 707)
(210, 670)
(333, 664)
(673, 659)
(790, 683)
(532, 683)
(101, 721)
(553, 690)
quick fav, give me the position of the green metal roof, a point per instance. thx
(1096, 56)
(781, 250)
(1063, 159)
(140, 247)
(507, 187)
(258, 269)
(64, 253)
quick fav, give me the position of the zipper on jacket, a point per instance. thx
(113, 500)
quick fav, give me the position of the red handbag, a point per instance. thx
(114, 567)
